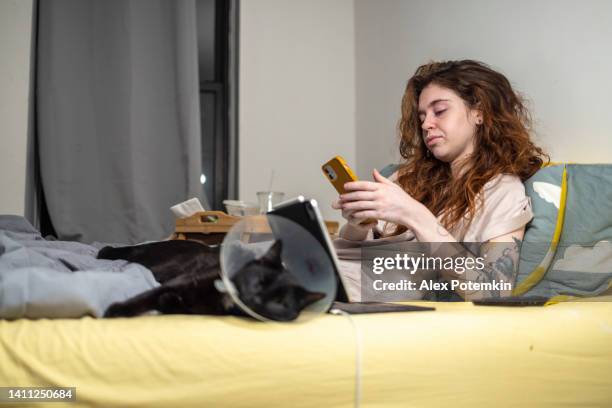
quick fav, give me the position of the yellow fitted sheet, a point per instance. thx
(460, 355)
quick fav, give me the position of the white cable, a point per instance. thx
(358, 346)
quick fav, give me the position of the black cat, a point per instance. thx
(187, 271)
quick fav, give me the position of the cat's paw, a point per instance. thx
(170, 302)
(116, 310)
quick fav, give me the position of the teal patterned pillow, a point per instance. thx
(581, 264)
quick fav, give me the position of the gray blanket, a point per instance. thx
(57, 279)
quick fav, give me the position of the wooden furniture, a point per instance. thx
(210, 227)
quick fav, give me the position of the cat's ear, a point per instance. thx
(306, 297)
(273, 256)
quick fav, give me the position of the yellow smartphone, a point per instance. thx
(339, 172)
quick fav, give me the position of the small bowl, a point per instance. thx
(240, 208)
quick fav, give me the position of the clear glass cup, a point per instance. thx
(268, 199)
(240, 208)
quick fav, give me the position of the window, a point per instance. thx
(217, 51)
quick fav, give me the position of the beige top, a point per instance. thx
(505, 208)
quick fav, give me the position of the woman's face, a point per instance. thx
(448, 124)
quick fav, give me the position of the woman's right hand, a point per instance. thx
(353, 222)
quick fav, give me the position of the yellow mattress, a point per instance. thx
(460, 355)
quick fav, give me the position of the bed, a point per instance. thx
(458, 355)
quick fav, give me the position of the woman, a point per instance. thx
(466, 149)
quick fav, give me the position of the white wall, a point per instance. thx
(297, 95)
(15, 33)
(557, 53)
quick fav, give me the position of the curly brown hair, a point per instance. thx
(503, 140)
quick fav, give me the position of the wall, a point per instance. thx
(15, 34)
(557, 53)
(297, 95)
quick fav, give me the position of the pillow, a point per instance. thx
(578, 260)
(388, 170)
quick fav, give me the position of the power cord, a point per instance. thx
(358, 348)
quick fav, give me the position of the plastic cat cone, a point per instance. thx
(247, 248)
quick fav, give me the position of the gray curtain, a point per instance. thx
(117, 116)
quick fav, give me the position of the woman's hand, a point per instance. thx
(381, 200)
(355, 223)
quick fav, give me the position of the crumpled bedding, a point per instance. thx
(59, 279)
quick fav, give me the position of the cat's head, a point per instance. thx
(269, 289)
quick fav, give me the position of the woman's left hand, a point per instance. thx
(382, 200)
